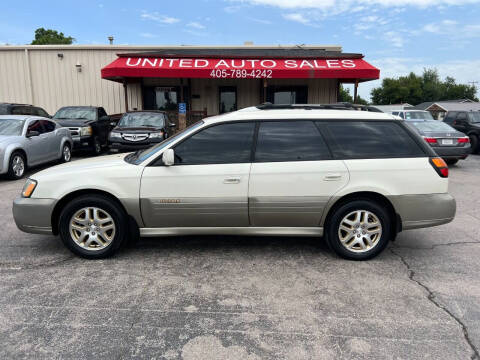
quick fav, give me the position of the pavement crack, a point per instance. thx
(438, 245)
(432, 299)
(15, 266)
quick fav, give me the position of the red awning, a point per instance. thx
(138, 67)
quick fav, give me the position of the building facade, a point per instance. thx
(208, 80)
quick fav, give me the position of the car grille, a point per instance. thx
(74, 131)
(135, 137)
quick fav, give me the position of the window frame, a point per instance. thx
(220, 88)
(31, 121)
(427, 150)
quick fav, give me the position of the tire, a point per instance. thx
(474, 143)
(97, 146)
(451, 161)
(66, 153)
(82, 237)
(357, 236)
(16, 166)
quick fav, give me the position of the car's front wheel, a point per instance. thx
(16, 166)
(359, 229)
(93, 226)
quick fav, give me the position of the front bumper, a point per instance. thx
(425, 210)
(452, 152)
(33, 215)
(132, 146)
(82, 142)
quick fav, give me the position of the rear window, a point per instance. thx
(432, 126)
(418, 115)
(370, 139)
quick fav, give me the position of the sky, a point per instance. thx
(397, 36)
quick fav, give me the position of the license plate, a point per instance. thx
(447, 142)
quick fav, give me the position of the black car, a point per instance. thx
(467, 122)
(22, 109)
(139, 130)
(89, 126)
(450, 144)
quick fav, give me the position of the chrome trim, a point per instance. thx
(241, 231)
(135, 137)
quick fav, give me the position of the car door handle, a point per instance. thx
(231, 181)
(332, 177)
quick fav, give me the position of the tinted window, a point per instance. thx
(462, 116)
(290, 141)
(4, 110)
(35, 125)
(39, 112)
(371, 139)
(402, 115)
(22, 110)
(220, 144)
(451, 115)
(48, 125)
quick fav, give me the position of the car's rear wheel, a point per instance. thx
(359, 229)
(93, 226)
(16, 166)
(66, 153)
(474, 143)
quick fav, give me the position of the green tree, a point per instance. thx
(414, 89)
(51, 37)
(344, 96)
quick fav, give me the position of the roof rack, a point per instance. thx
(335, 106)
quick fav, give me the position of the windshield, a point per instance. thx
(142, 120)
(474, 117)
(141, 155)
(76, 113)
(11, 127)
(418, 115)
(434, 125)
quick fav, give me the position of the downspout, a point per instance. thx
(28, 71)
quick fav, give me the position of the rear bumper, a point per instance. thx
(452, 152)
(426, 210)
(33, 215)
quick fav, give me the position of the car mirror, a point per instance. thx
(172, 125)
(168, 157)
(32, 133)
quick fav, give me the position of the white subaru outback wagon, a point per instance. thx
(357, 178)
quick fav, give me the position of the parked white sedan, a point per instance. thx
(31, 140)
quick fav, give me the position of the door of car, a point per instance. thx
(52, 139)
(36, 146)
(293, 175)
(208, 184)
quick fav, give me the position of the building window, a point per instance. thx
(166, 98)
(228, 99)
(287, 94)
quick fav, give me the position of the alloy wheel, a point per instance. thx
(18, 165)
(360, 231)
(92, 228)
(67, 154)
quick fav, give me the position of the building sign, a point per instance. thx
(240, 68)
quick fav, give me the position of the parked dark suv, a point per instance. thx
(467, 122)
(22, 109)
(138, 130)
(89, 126)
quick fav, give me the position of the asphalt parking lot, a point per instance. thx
(246, 298)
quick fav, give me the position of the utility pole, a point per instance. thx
(473, 83)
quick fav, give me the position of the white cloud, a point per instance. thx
(452, 29)
(155, 16)
(260, 21)
(297, 17)
(395, 38)
(148, 35)
(195, 25)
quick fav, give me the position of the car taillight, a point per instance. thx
(430, 140)
(440, 166)
(464, 140)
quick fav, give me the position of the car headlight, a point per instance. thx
(115, 135)
(86, 130)
(28, 188)
(156, 135)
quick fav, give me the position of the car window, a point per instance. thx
(48, 125)
(142, 119)
(76, 113)
(290, 141)
(4, 109)
(432, 126)
(370, 139)
(461, 116)
(395, 113)
(11, 127)
(40, 112)
(35, 125)
(418, 115)
(451, 115)
(474, 117)
(219, 144)
(22, 110)
(402, 115)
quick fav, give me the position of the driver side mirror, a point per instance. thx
(32, 134)
(168, 157)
